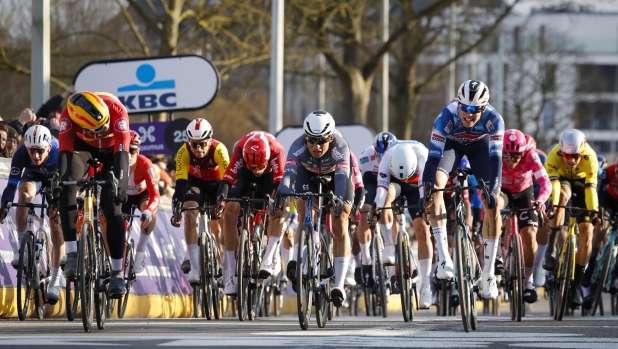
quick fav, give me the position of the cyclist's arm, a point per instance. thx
(554, 177)
(232, 171)
(151, 184)
(441, 127)
(590, 188)
(291, 166)
(343, 167)
(384, 179)
(122, 136)
(359, 188)
(421, 158)
(17, 166)
(182, 174)
(495, 126)
(222, 159)
(540, 174)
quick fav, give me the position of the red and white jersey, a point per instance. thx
(520, 178)
(276, 163)
(143, 178)
(454, 182)
(357, 176)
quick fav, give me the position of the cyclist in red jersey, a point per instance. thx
(142, 191)
(257, 158)
(94, 125)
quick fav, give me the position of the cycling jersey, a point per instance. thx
(143, 178)
(520, 178)
(454, 182)
(384, 175)
(587, 170)
(210, 167)
(369, 160)
(21, 160)
(276, 163)
(336, 159)
(449, 127)
(609, 182)
(357, 177)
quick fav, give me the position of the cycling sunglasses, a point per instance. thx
(572, 156)
(257, 167)
(99, 130)
(514, 156)
(33, 151)
(317, 140)
(471, 109)
(202, 144)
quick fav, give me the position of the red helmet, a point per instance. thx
(256, 151)
(136, 140)
(514, 142)
(530, 142)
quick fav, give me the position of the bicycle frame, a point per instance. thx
(609, 247)
(571, 232)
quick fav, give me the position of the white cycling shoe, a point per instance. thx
(388, 255)
(140, 262)
(53, 295)
(539, 276)
(194, 276)
(231, 286)
(489, 286)
(426, 298)
(445, 269)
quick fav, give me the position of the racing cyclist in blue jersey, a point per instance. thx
(37, 160)
(472, 127)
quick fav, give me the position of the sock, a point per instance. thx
(287, 255)
(540, 256)
(271, 248)
(117, 264)
(357, 260)
(194, 256)
(351, 266)
(294, 254)
(20, 237)
(70, 246)
(579, 273)
(365, 253)
(592, 264)
(387, 233)
(425, 271)
(341, 266)
(54, 280)
(143, 241)
(529, 276)
(439, 233)
(491, 250)
(230, 257)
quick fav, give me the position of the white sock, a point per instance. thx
(439, 233)
(286, 255)
(117, 264)
(341, 267)
(194, 256)
(294, 253)
(272, 247)
(70, 246)
(365, 253)
(387, 233)
(540, 256)
(54, 280)
(20, 237)
(357, 260)
(143, 241)
(529, 277)
(230, 258)
(491, 250)
(425, 272)
(351, 265)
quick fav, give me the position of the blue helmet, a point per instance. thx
(543, 158)
(464, 164)
(602, 160)
(382, 141)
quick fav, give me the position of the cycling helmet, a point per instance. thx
(199, 130)
(88, 110)
(572, 141)
(403, 161)
(474, 93)
(382, 141)
(464, 164)
(514, 142)
(543, 158)
(37, 137)
(602, 161)
(256, 151)
(136, 140)
(319, 124)
(530, 142)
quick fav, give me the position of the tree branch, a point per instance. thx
(134, 29)
(149, 21)
(7, 65)
(99, 34)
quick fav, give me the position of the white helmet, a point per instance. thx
(319, 124)
(474, 93)
(199, 129)
(403, 161)
(572, 141)
(38, 137)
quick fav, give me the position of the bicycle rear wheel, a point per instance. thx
(206, 275)
(322, 313)
(463, 283)
(24, 274)
(86, 274)
(244, 276)
(564, 279)
(129, 277)
(381, 294)
(41, 294)
(601, 280)
(367, 294)
(100, 294)
(516, 279)
(404, 274)
(256, 288)
(304, 280)
(217, 293)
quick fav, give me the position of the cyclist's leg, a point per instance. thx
(386, 224)
(145, 232)
(25, 193)
(598, 237)
(230, 229)
(271, 261)
(195, 197)
(528, 223)
(363, 233)
(555, 226)
(584, 244)
(341, 242)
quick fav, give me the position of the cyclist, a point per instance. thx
(359, 198)
(519, 166)
(573, 168)
(542, 235)
(258, 158)
(143, 191)
(94, 125)
(38, 166)
(200, 164)
(322, 151)
(467, 126)
(369, 166)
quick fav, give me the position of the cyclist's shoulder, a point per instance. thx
(114, 104)
(143, 161)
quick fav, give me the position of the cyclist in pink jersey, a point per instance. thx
(518, 167)
(359, 199)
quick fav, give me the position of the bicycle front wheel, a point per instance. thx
(86, 270)
(463, 280)
(608, 258)
(41, 295)
(206, 275)
(564, 278)
(244, 275)
(404, 276)
(129, 277)
(381, 276)
(516, 279)
(100, 295)
(304, 280)
(24, 274)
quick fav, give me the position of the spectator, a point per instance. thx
(3, 136)
(11, 142)
(26, 118)
(49, 113)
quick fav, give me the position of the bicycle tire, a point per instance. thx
(41, 294)
(516, 279)
(85, 268)
(257, 289)
(329, 269)
(564, 279)
(474, 267)
(368, 300)
(443, 297)
(269, 297)
(129, 277)
(100, 298)
(322, 311)
(381, 278)
(243, 272)
(601, 280)
(72, 298)
(304, 287)
(206, 275)
(216, 291)
(403, 275)
(24, 273)
(463, 286)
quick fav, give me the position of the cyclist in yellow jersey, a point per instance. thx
(572, 168)
(200, 166)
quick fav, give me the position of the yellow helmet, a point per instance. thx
(88, 110)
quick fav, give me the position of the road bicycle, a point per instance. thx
(602, 275)
(128, 265)
(376, 295)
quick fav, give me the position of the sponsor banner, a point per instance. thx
(161, 137)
